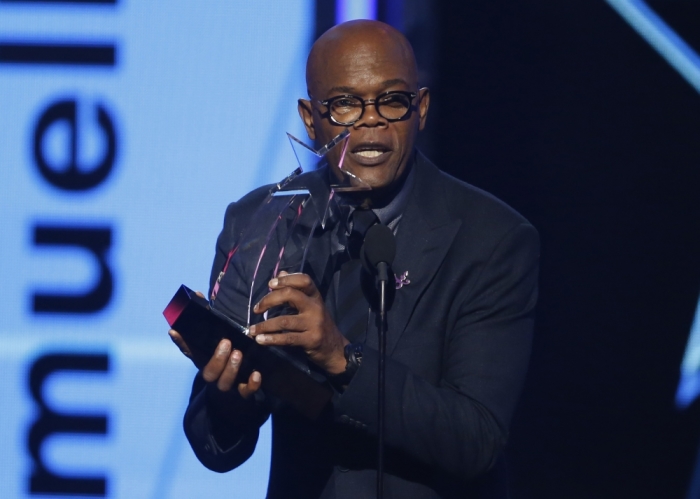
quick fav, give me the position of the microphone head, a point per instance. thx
(379, 246)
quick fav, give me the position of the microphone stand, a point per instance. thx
(383, 278)
(377, 255)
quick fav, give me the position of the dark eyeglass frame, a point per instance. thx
(365, 102)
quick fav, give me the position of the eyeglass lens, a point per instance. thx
(349, 109)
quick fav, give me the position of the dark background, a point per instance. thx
(565, 112)
(562, 110)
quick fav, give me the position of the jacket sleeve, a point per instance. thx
(222, 428)
(459, 426)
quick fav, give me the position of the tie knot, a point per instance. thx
(362, 220)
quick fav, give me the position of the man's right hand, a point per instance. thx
(221, 368)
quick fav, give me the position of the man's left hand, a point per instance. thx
(312, 328)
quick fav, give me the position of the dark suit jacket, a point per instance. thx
(458, 344)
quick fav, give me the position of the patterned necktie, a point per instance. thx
(351, 305)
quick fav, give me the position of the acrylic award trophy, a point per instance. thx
(283, 233)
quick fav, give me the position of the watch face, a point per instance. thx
(353, 354)
(358, 354)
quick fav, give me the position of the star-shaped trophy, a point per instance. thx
(285, 228)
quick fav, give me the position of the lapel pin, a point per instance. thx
(402, 280)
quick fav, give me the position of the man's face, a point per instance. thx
(378, 150)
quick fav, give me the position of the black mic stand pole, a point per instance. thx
(377, 255)
(383, 278)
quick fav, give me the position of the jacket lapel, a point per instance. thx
(424, 236)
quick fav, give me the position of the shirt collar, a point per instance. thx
(392, 211)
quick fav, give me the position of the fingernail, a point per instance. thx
(235, 357)
(273, 282)
(255, 308)
(251, 330)
(261, 338)
(224, 347)
(256, 376)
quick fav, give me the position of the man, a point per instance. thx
(459, 330)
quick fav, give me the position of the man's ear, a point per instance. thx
(424, 94)
(306, 113)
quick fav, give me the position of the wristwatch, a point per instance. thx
(353, 359)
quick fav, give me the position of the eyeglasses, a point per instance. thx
(348, 109)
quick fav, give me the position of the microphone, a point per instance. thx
(378, 251)
(377, 255)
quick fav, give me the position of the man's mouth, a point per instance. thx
(370, 154)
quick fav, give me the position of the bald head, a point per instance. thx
(366, 60)
(357, 42)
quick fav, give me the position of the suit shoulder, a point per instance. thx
(248, 202)
(475, 205)
(486, 222)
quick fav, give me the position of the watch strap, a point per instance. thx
(353, 361)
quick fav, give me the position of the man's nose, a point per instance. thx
(370, 116)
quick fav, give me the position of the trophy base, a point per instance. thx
(283, 376)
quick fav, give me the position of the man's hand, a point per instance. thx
(222, 367)
(312, 328)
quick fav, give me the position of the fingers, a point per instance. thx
(282, 323)
(284, 340)
(254, 382)
(223, 369)
(286, 330)
(312, 329)
(177, 339)
(197, 358)
(218, 362)
(281, 296)
(299, 281)
(300, 292)
(292, 289)
(228, 375)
